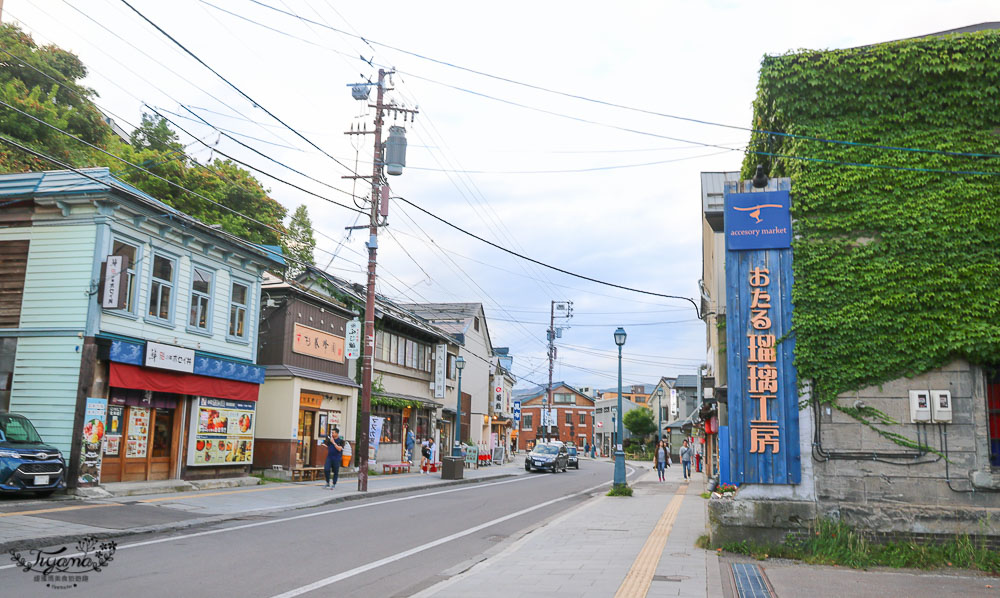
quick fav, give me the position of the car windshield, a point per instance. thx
(546, 450)
(572, 450)
(17, 429)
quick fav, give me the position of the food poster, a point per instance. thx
(223, 432)
(113, 430)
(138, 433)
(93, 435)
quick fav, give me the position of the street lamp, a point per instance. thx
(659, 411)
(456, 450)
(619, 479)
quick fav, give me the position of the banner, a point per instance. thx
(95, 414)
(375, 432)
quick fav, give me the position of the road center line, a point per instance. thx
(308, 515)
(416, 549)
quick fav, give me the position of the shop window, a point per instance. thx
(993, 418)
(392, 427)
(238, 301)
(201, 299)
(526, 421)
(451, 366)
(131, 254)
(583, 419)
(161, 289)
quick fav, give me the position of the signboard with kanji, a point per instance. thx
(309, 341)
(763, 392)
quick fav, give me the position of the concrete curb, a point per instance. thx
(43, 541)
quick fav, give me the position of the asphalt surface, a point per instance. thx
(385, 547)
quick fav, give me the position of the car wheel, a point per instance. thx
(577, 467)
(527, 467)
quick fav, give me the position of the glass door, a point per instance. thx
(304, 450)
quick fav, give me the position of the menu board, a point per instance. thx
(138, 433)
(93, 437)
(222, 432)
(113, 430)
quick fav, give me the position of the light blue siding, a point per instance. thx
(46, 375)
(57, 283)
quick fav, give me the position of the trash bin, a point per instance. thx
(452, 468)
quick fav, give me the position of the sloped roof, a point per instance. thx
(686, 381)
(540, 390)
(271, 371)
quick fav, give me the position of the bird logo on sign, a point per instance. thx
(755, 210)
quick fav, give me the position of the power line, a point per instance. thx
(551, 267)
(574, 170)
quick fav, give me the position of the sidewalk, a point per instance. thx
(609, 546)
(32, 524)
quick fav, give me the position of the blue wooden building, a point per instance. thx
(124, 318)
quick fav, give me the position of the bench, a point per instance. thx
(396, 467)
(304, 474)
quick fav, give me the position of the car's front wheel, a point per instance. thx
(527, 466)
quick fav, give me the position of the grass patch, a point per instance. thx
(836, 543)
(268, 480)
(620, 490)
(703, 542)
(706, 495)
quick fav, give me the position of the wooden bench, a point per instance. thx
(304, 474)
(396, 467)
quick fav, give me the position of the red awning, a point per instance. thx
(133, 376)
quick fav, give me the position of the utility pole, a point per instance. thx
(368, 358)
(553, 332)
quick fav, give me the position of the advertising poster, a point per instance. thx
(138, 433)
(93, 435)
(113, 430)
(222, 432)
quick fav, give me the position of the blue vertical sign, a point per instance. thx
(763, 392)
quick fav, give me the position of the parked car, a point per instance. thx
(26, 463)
(553, 457)
(573, 459)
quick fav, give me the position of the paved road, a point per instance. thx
(390, 546)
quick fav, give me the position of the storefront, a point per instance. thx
(401, 414)
(319, 414)
(162, 423)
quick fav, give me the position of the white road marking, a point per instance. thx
(416, 549)
(308, 515)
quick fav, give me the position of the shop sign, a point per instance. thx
(760, 220)
(113, 294)
(374, 436)
(763, 392)
(308, 399)
(222, 432)
(517, 411)
(353, 343)
(440, 360)
(335, 418)
(169, 357)
(95, 413)
(316, 343)
(113, 430)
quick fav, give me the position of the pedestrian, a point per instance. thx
(686, 459)
(586, 448)
(334, 454)
(661, 460)
(410, 441)
(425, 454)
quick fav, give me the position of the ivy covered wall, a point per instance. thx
(897, 253)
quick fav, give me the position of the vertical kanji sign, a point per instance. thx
(763, 392)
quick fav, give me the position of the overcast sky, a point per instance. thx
(532, 177)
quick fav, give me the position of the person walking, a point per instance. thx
(410, 441)
(334, 454)
(686, 459)
(425, 454)
(661, 460)
(586, 449)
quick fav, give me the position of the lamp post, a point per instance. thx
(659, 412)
(619, 479)
(456, 449)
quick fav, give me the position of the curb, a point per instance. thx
(42, 541)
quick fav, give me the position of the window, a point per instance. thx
(583, 419)
(201, 299)
(452, 370)
(993, 418)
(410, 350)
(569, 418)
(526, 421)
(563, 397)
(238, 300)
(475, 324)
(161, 288)
(393, 348)
(392, 427)
(130, 253)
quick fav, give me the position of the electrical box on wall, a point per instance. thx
(941, 406)
(920, 406)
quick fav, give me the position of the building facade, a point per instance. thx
(606, 424)
(130, 321)
(568, 418)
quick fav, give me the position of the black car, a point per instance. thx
(547, 456)
(26, 463)
(573, 459)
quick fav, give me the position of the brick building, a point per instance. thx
(571, 410)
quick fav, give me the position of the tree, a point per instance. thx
(154, 134)
(640, 422)
(300, 243)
